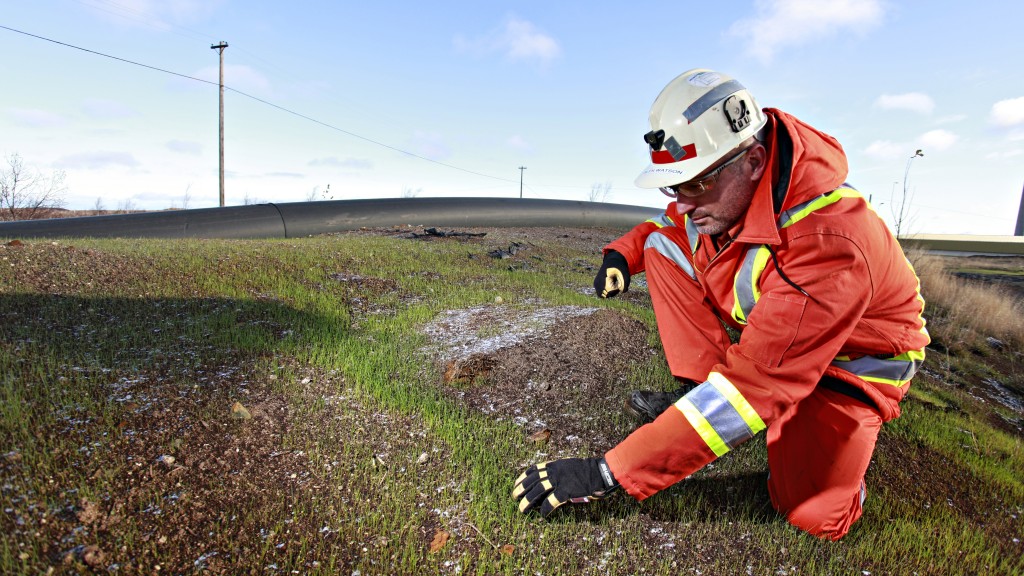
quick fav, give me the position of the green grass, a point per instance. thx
(115, 352)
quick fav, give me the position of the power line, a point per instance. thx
(265, 102)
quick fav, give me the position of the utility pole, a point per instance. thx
(521, 168)
(220, 48)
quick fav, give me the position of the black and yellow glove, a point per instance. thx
(613, 277)
(548, 485)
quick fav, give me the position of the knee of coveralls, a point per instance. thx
(691, 334)
(818, 453)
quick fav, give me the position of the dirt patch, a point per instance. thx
(561, 373)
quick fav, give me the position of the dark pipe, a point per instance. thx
(295, 219)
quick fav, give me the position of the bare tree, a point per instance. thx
(25, 193)
(125, 206)
(98, 206)
(408, 192)
(315, 194)
(599, 192)
(186, 198)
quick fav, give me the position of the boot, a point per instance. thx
(645, 406)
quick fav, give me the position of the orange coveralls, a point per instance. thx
(822, 293)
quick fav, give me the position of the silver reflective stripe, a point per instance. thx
(745, 283)
(692, 234)
(880, 368)
(720, 414)
(670, 250)
(710, 98)
(662, 221)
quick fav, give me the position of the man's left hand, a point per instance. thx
(548, 485)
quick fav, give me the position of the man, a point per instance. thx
(762, 235)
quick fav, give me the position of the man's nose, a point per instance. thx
(685, 205)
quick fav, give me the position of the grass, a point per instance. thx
(117, 352)
(960, 311)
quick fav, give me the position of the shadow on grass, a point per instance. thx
(153, 332)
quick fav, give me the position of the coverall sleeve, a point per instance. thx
(631, 245)
(789, 341)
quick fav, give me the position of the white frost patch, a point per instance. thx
(487, 329)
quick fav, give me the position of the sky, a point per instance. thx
(349, 100)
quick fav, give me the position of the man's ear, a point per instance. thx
(758, 158)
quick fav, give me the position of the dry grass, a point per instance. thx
(960, 311)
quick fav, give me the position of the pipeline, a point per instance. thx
(298, 219)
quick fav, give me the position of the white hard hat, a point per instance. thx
(697, 119)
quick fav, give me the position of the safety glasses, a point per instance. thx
(695, 188)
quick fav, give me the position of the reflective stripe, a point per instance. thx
(691, 234)
(801, 211)
(670, 250)
(746, 291)
(896, 370)
(720, 414)
(710, 98)
(746, 287)
(662, 221)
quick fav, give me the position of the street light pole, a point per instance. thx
(903, 201)
(220, 47)
(521, 168)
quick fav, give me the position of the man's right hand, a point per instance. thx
(613, 277)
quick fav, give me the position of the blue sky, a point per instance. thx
(389, 98)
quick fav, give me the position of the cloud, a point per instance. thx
(885, 149)
(781, 23)
(517, 142)
(34, 118)
(911, 101)
(292, 175)
(1008, 112)
(185, 147)
(107, 109)
(335, 162)
(937, 140)
(1004, 154)
(517, 39)
(96, 161)
(931, 141)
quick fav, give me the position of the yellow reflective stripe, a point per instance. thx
(703, 427)
(738, 402)
(798, 213)
(745, 289)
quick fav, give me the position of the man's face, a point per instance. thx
(716, 211)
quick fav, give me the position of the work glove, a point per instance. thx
(548, 485)
(613, 277)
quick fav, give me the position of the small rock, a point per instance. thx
(88, 511)
(240, 412)
(167, 460)
(541, 437)
(498, 300)
(995, 343)
(422, 459)
(15, 244)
